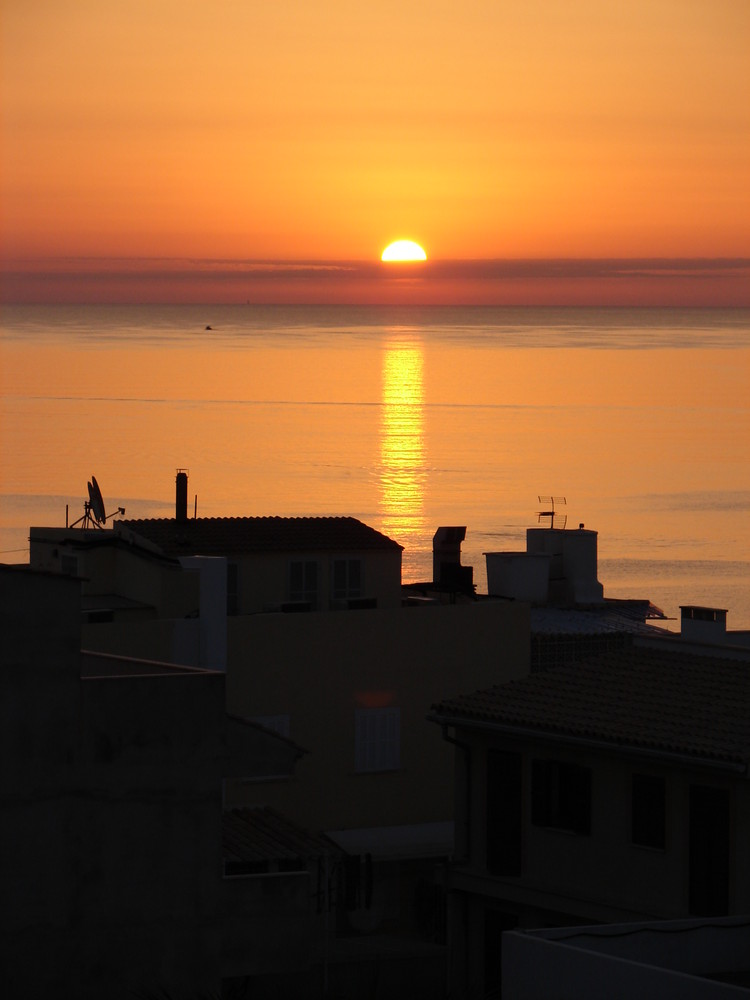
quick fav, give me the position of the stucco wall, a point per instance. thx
(267, 924)
(542, 970)
(106, 565)
(109, 812)
(319, 669)
(650, 961)
(264, 577)
(148, 640)
(603, 875)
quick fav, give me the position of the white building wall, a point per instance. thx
(213, 609)
(619, 962)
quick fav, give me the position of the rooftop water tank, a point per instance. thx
(573, 568)
(518, 575)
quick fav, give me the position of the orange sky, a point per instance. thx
(321, 131)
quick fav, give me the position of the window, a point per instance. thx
(358, 884)
(347, 579)
(377, 739)
(561, 796)
(303, 581)
(233, 578)
(648, 811)
(709, 833)
(504, 796)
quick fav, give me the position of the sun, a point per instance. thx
(403, 250)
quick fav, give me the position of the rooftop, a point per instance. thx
(226, 535)
(705, 958)
(96, 665)
(610, 617)
(259, 834)
(642, 699)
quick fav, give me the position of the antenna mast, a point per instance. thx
(550, 513)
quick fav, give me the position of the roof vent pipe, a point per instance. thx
(181, 495)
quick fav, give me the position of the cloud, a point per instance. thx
(607, 281)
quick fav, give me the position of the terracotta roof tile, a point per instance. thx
(607, 620)
(664, 701)
(227, 535)
(256, 834)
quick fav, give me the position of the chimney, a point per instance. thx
(703, 624)
(447, 570)
(181, 495)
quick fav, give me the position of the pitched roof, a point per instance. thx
(666, 702)
(611, 618)
(258, 833)
(228, 535)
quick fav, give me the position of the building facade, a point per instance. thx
(612, 790)
(116, 862)
(307, 619)
(111, 809)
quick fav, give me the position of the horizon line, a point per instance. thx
(548, 281)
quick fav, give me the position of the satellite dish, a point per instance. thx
(96, 501)
(94, 515)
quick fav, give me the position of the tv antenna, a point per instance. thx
(94, 515)
(550, 512)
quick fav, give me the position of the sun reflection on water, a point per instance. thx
(402, 459)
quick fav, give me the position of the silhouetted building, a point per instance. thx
(704, 959)
(306, 615)
(611, 790)
(281, 890)
(115, 881)
(111, 802)
(285, 563)
(559, 567)
(557, 575)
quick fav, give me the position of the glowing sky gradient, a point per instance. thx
(302, 131)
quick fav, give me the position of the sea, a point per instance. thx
(633, 422)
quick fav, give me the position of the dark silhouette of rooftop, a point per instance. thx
(225, 535)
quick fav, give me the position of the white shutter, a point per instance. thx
(377, 739)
